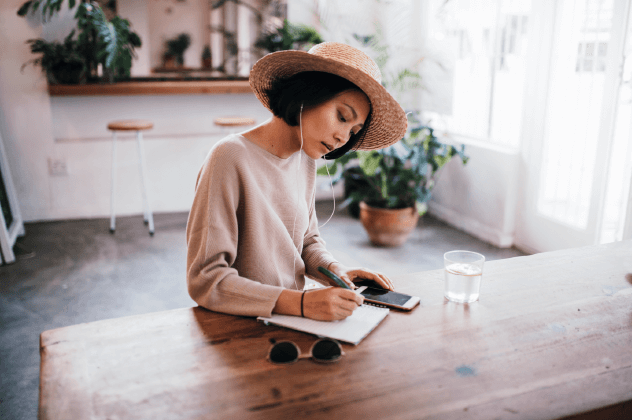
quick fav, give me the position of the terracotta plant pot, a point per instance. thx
(170, 62)
(388, 227)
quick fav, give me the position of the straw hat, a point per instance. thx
(388, 120)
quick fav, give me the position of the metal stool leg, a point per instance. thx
(113, 185)
(141, 162)
(143, 175)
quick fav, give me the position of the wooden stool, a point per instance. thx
(232, 122)
(138, 126)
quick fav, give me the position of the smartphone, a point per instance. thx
(385, 297)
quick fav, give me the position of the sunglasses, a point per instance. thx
(325, 350)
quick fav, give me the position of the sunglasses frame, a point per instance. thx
(309, 355)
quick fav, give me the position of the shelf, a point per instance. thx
(153, 87)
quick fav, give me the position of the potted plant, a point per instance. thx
(175, 48)
(207, 59)
(288, 37)
(61, 62)
(390, 188)
(109, 43)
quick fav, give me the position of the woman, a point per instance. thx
(252, 233)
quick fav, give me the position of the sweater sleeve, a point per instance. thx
(212, 236)
(314, 252)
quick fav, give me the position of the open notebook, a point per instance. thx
(351, 330)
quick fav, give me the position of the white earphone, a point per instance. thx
(300, 123)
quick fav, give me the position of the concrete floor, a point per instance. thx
(71, 272)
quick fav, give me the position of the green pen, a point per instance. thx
(334, 277)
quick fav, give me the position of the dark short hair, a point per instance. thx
(310, 88)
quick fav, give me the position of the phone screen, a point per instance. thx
(385, 296)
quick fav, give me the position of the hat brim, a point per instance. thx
(388, 120)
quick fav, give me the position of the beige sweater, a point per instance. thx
(240, 249)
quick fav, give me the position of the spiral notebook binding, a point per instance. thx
(375, 304)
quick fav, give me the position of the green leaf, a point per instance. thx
(68, 40)
(134, 39)
(362, 195)
(422, 207)
(347, 157)
(333, 168)
(392, 202)
(111, 39)
(441, 160)
(369, 162)
(24, 9)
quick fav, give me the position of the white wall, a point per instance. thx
(25, 113)
(168, 19)
(175, 148)
(480, 197)
(137, 13)
(303, 12)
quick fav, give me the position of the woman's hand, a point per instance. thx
(330, 303)
(351, 274)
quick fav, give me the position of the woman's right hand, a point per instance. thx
(330, 303)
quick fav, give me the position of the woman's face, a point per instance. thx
(329, 125)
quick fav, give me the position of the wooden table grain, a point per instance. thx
(550, 337)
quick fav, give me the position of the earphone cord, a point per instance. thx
(300, 119)
(333, 195)
(298, 195)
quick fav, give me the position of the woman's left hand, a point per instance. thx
(351, 274)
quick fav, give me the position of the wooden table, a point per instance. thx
(551, 336)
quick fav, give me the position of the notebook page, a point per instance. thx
(351, 329)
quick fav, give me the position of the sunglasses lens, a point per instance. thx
(327, 350)
(283, 352)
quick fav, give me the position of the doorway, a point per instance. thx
(576, 126)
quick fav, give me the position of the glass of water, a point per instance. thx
(463, 273)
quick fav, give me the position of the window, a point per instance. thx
(488, 43)
(574, 111)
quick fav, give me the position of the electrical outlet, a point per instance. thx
(57, 167)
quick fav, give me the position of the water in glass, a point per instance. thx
(463, 282)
